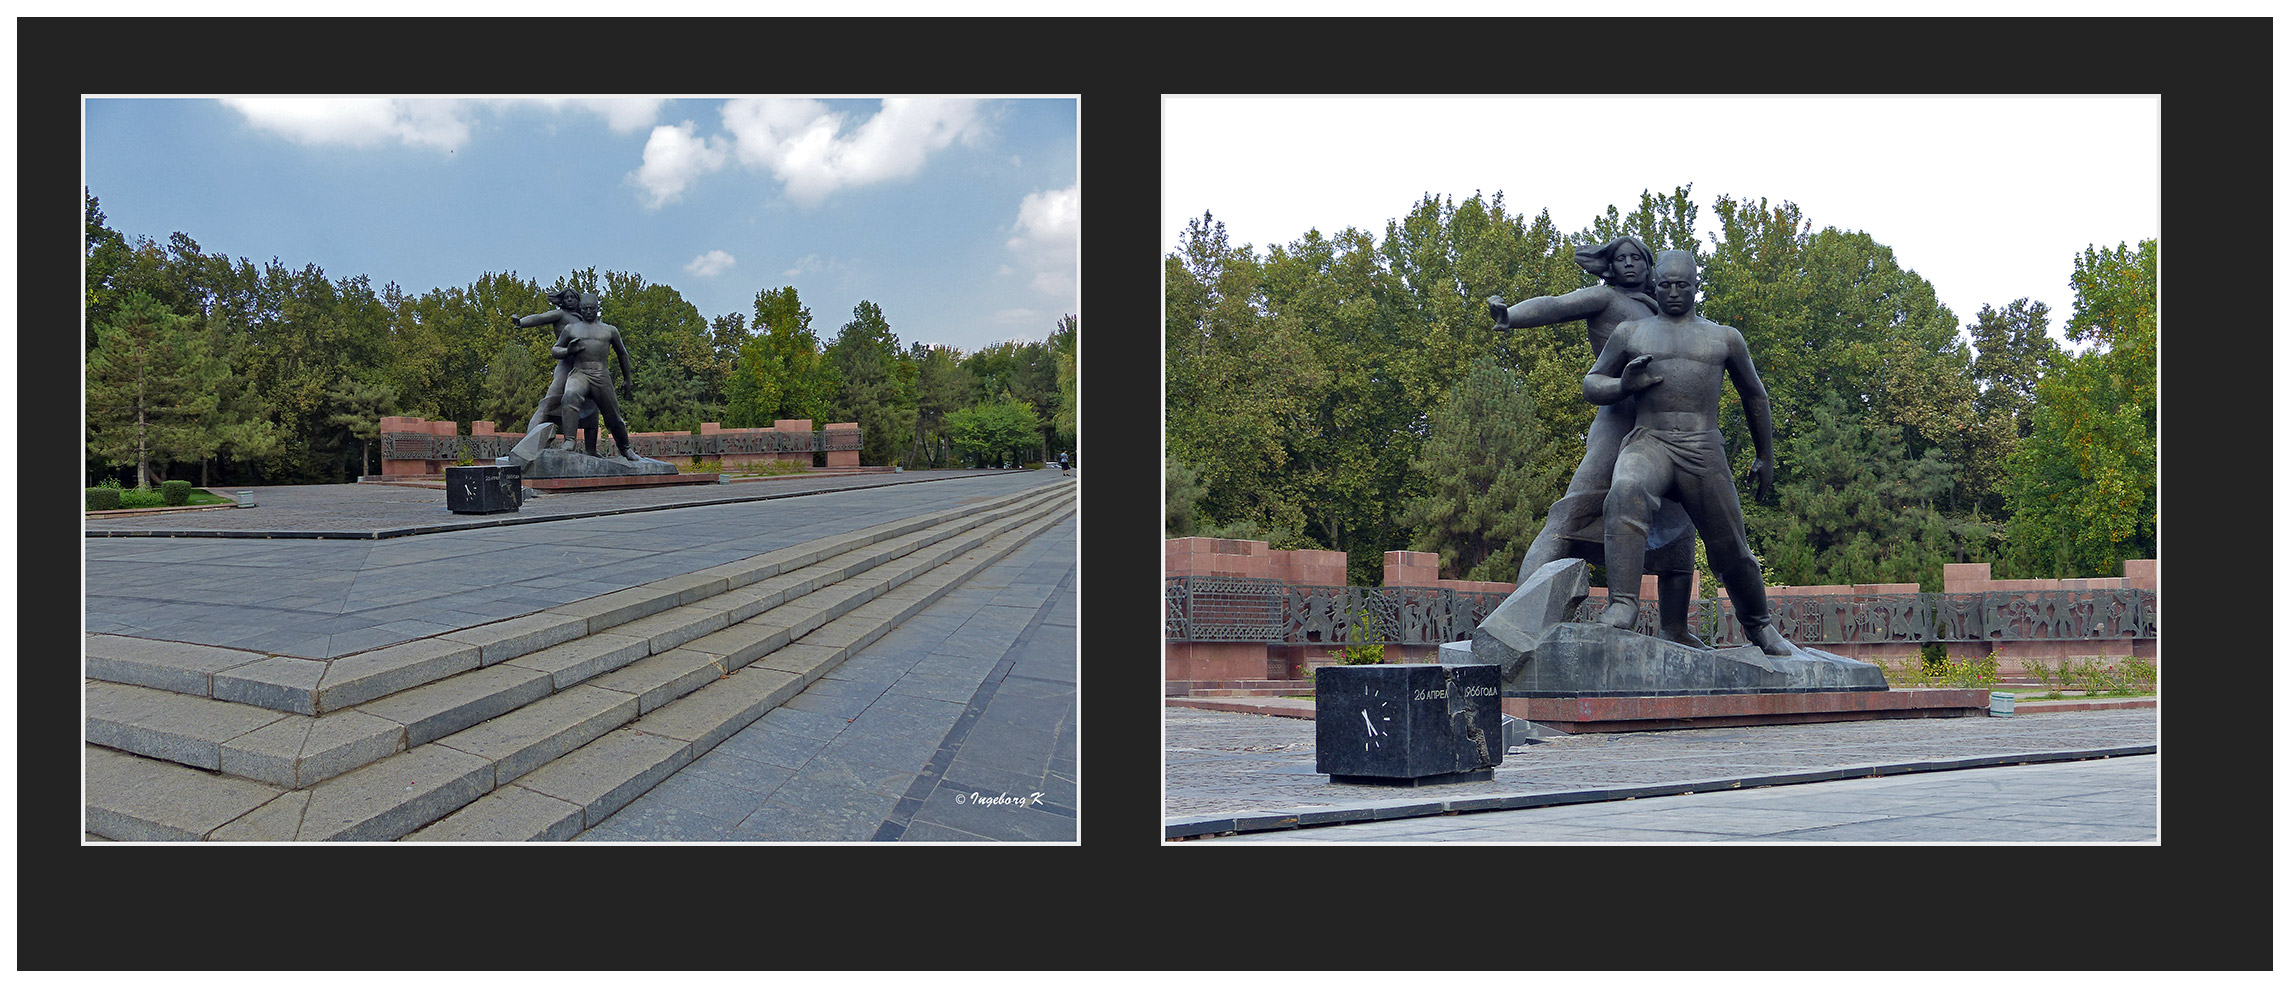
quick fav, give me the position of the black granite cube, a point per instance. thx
(1408, 724)
(481, 490)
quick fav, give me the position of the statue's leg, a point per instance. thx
(608, 412)
(1709, 498)
(569, 409)
(1673, 566)
(1641, 475)
(1586, 493)
(547, 410)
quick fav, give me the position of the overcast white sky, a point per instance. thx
(1989, 198)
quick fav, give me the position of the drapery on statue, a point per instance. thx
(1574, 526)
(1673, 365)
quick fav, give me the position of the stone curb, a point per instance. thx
(1383, 810)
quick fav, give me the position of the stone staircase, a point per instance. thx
(532, 728)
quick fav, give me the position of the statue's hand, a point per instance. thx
(1635, 375)
(1762, 470)
(1501, 310)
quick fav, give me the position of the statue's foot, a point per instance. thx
(1770, 641)
(1621, 614)
(1683, 637)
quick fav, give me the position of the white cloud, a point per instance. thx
(710, 264)
(813, 152)
(624, 116)
(813, 264)
(442, 124)
(1047, 238)
(673, 157)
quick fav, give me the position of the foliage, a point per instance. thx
(103, 499)
(1919, 671)
(150, 388)
(280, 373)
(2082, 485)
(990, 434)
(1485, 494)
(877, 389)
(1181, 493)
(1365, 625)
(174, 492)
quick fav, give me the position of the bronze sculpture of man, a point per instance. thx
(1574, 525)
(582, 347)
(1671, 367)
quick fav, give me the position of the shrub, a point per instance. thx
(174, 492)
(2050, 677)
(139, 498)
(2141, 674)
(103, 499)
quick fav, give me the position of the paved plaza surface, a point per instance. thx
(2098, 800)
(1254, 774)
(959, 725)
(325, 598)
(368, 510)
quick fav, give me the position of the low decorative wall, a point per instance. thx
(1235, 609)
(414, 446)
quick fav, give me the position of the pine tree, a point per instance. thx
(151, 388)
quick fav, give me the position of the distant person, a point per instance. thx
(1063, 468)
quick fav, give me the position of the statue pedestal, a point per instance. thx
(1407, 724)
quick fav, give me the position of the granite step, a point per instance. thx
(394, 764)
(311, 687)
(292, 751)
(577, 791)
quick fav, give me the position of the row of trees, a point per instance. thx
(202, 366)
(1350, 392)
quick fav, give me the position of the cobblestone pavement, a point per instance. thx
(372, 507)
(958, 725)
(1219, 763)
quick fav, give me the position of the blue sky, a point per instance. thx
(960, 218)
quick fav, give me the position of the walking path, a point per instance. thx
(1232, 773)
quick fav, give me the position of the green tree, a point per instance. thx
(807, 384)
(150, 388)
(941, 386)
(752, 391)
(1238, 386)
(876, 387)
(1485, 501)
(992, 433)
(359, 404)
(1181, 492)
(2082, 485)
